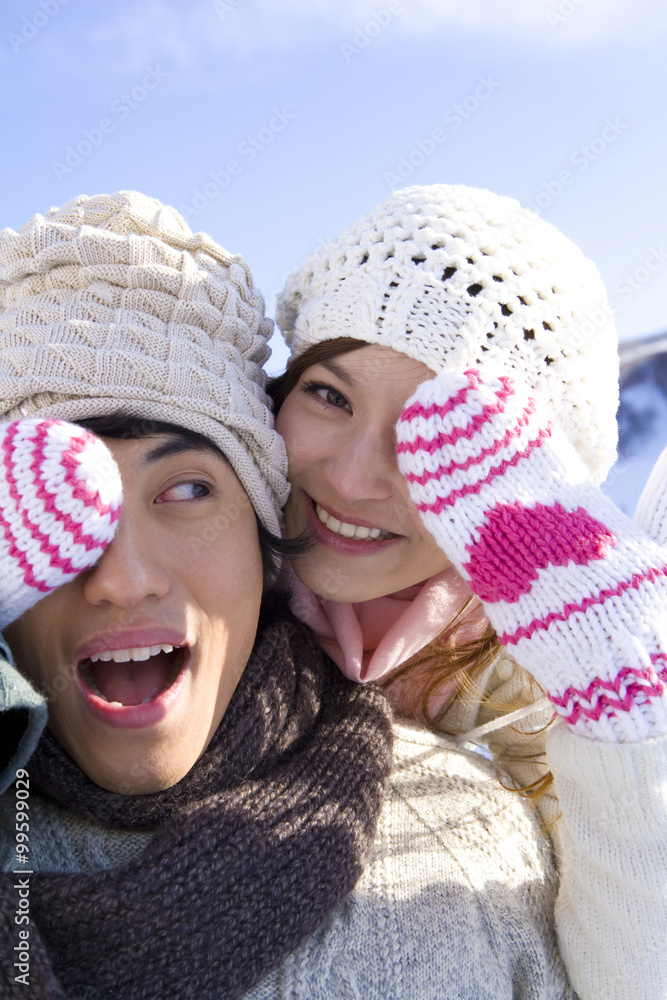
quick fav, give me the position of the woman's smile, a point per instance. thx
(349, 529)
(356, 538)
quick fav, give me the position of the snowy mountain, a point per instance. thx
(642, 418)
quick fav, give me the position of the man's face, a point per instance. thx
(140, 656)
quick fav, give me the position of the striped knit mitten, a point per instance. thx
(574, 589)
(60, 497)
(651, 511)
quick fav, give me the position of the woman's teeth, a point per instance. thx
(123, 655)
(349, 530)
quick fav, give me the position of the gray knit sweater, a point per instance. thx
(458, 898)
(457, 901)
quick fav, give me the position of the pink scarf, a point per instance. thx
(370, 639)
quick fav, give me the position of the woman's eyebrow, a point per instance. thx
(340, 373)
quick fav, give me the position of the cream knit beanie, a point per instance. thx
(458, 277)
(112, 304)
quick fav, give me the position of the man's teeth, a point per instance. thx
(123, 655)
(348, 530)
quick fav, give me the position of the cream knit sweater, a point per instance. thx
(606, 815)
(456, 903)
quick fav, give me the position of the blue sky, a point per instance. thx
(275, 123)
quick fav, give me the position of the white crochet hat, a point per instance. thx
(458, 277)
(112, 304)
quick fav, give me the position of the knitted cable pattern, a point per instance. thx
(111, 304)
(60, 497)
(575, 590)
(458, 277)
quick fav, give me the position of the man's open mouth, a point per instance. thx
(132, 676)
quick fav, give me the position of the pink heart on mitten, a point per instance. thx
(60, 497)
(516, 541)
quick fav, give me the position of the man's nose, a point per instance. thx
(131, 569)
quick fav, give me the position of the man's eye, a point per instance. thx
(184, 491)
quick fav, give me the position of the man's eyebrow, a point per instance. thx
(340, 373)
(176, 445)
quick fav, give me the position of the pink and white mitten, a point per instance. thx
(60, 497)
(575, 590)
(651, 511)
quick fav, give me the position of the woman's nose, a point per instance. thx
(365, 468)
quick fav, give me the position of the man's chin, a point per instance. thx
(139, 778)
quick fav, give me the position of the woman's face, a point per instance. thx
(338, 426)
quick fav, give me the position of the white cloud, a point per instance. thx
(280, 24)
(156, 25)
(247, 29)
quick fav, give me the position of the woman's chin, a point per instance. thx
(340, 584)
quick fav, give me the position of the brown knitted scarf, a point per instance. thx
(261, 841)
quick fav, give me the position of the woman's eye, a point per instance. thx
(184, 491)
(327, 394)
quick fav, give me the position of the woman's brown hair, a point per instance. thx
(280, 386)
(444, 664)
